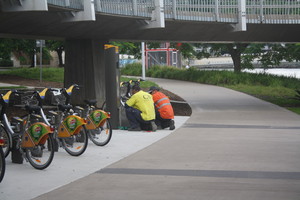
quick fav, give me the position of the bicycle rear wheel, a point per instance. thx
(7, 141)
(102, 135)
(2, 164)
(41, 155)
(77, 143)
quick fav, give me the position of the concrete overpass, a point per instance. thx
(152, 20)
(87, 25)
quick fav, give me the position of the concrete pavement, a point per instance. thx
(8, 85)
(233, 147)
(22, 181)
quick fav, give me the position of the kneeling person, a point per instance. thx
(164, 109)
(140, 110)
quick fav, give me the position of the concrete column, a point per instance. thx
(85, 66)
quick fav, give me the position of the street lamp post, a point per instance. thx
(143, 61)
(41, 43)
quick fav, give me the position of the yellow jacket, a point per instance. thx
(143, 102)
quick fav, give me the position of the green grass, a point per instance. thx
(282, 96)
(12, 87)
(48, 73)
(295, 110)
(55, 75)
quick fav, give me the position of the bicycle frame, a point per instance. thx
(2, 160)
(35, 134)
(4, 122)
(96, 118)
(68, 126)
(71, 125)
(31, 135)
(45, 129)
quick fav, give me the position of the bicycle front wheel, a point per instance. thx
(2, 164)
(7, 141)
(77, 143)
(41, 155)
(102, 135)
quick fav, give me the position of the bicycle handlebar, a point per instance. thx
(17, 92)
(131, 82)
(129, 85)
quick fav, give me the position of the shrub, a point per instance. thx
(134, 69)
(6, 63)
(215, 77)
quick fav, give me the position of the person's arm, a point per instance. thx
(130, 102)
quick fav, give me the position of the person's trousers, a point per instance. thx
(135, 119)
(163, 123)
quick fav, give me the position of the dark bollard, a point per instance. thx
(55, 145)
(16, 155)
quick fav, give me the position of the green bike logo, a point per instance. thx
(96, 116)
(72, 123)
(36, 131)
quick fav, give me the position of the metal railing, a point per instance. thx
(273, 11)
(202, 10)
(257, 11)
(71, 4)
(140, 8)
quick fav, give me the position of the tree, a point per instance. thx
(187, 50)
(23, 49)
(134, 48)
(58, 47)
(129, 48)
(242, 54)
(234, 49)
(5, 49)
(271, 55)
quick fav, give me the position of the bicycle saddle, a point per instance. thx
(32, 108)
(64, 107)
(91, 102)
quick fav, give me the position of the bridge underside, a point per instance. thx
(50, 25)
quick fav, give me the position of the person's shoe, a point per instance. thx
(134, 129)
(153, 126)
(172, 124)
(159, 128)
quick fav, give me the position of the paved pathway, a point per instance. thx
(233, 147)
